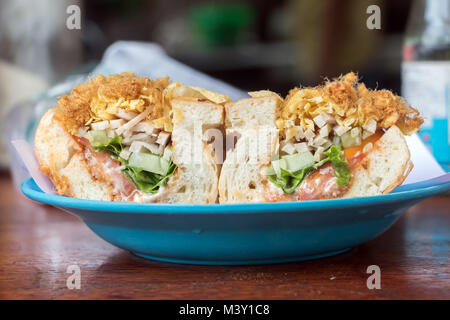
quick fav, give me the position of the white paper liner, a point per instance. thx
(26, 153)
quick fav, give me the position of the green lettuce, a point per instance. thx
(289, 182)
(341, 169)
(112, 146)
(145, 181)
(148, 181)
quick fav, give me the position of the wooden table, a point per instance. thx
(38, 243)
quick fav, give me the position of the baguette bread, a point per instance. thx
(197, 176)
(69, 160)
(126, 138)
(376, 171)
(384, 168)
(252, 122)
(61, 158)
(351, 137)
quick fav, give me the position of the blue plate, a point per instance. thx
(239, 234)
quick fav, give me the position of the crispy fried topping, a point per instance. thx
(100, 99)
(351, 104)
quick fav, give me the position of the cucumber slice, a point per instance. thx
(298, 161)
(277, 165)
(97, 138)
(269, 171)
(149, 162)
(164, 165)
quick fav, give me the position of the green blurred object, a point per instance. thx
(219, 24)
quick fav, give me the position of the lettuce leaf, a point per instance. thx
(113, 147)
(289, 182)
(145, 181)
(341, 168)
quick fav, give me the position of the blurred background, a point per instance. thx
(253, 44)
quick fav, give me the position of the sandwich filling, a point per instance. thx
(124, 124)
(327, 130)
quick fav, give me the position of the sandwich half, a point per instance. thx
(332, 141)
(128, 138)
(251, 140)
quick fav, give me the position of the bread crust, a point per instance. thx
(66, 162)
(376, 172)
(379, 171)
(62, 159)
(252, 121)
(384, 168)
(197, 176)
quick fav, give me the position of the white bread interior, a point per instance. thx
(196, 178)
(60, 157)
(385, 167)
(252, 121)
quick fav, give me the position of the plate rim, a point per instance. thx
(32, 191)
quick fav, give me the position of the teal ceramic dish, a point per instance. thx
(240, 234)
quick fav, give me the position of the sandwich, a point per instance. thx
(336, 140)
(128, 138)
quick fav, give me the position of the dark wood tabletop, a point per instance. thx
(38, 243)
